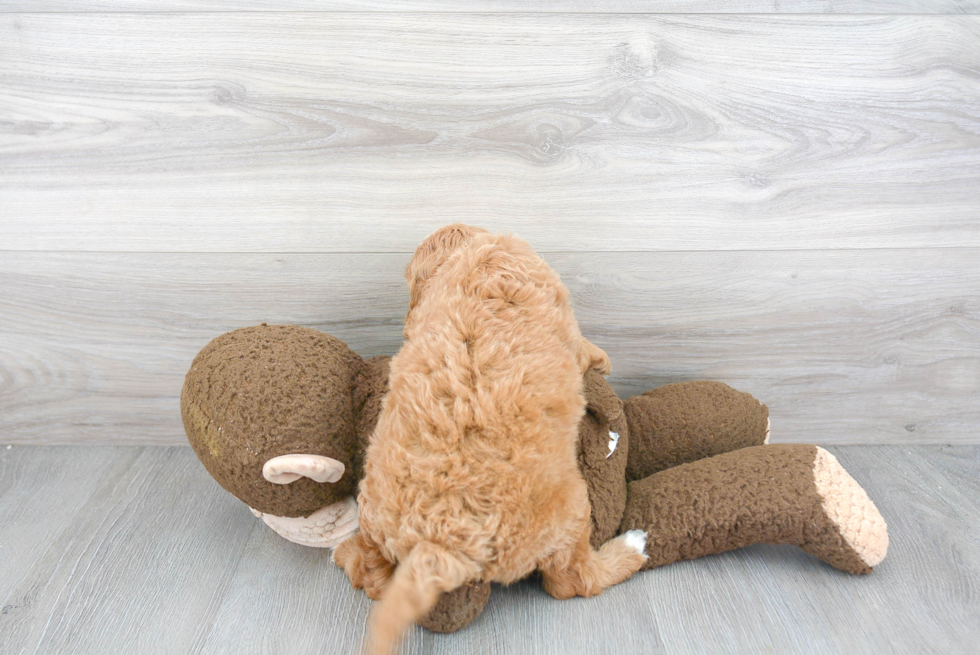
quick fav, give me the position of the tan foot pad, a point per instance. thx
(848, 507)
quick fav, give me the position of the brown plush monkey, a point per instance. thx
(280, 417)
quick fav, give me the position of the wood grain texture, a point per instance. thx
(31, 519)
(350, 132)
(159, 522)
(886, 7)
(874, 346)
(142, 566)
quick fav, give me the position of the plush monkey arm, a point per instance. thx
(603, 445)
(777, 494)
(688, 421)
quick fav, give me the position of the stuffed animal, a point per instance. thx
(280, 417)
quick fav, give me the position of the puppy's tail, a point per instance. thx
(414, 589)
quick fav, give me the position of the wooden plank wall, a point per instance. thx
(756, 192)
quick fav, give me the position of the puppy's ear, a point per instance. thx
(432, 253)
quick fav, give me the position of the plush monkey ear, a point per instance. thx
(289, 468)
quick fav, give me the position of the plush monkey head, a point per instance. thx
(274, 414)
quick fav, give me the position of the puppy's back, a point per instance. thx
(485, 395)
(493, 344)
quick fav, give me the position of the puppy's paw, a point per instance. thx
(594, 357)
(603, 364)
(375, 590)
(346, 556)
(636, 540)
(342, 553)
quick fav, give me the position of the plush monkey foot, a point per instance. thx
(777, 494)
(852, 514)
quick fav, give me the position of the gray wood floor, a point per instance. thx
(137, 550)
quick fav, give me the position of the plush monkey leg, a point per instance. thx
(687, 421)
(776, 494)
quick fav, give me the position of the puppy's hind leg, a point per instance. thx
(364, 564)
(586, 572)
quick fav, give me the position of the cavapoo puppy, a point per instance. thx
(471, 473)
